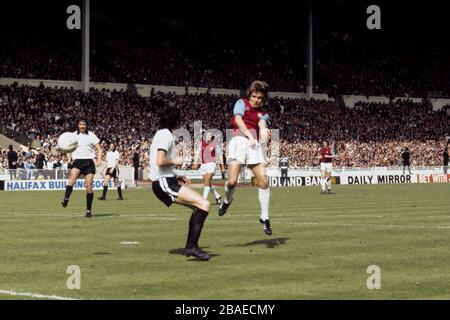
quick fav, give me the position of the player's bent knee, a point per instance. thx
(232, 183)
(203, 205)
(263, 184)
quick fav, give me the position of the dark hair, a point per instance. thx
(82, 120)
(169, 119)
(10, 147)
(259, 86)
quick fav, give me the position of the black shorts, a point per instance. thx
(86, 166)
(166, 189)
(113, 174)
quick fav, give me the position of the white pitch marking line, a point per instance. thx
(130, 242)
(34, 295)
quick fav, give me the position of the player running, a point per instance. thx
(326, 166)
(249, 124)
(112, 171)
(83, 164)
(169, 188)
(207, 154)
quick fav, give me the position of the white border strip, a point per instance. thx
(33, 295)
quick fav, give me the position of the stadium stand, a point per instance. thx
(347, 64)
(370, 134)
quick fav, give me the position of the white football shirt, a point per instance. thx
(86, 146)
(163, 140)
(112, 157)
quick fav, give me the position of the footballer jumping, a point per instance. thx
(249, 124)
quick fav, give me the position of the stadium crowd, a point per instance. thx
(343, 63)
(366, 135)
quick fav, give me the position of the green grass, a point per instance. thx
(320, 248)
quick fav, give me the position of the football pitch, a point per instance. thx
(321, 246)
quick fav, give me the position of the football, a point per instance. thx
(67, 142)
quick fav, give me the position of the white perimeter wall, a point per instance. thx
(144, 90)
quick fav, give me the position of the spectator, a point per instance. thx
(406, 160)
(28, 166)
(136, 165)
(12, 162)
(40, 160)
(446, 158)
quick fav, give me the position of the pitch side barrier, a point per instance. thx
(16, 180)
(351, 176)
(310, 176)
(45, 180)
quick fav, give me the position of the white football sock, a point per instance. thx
(205, 192)
(322, 183)
(264, 196)
(214, 192)
(228, 193)
(329, 184)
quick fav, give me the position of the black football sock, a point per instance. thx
(199, 219)
(191, 228)
(105, 190)
(89, 198)
(119, 190)
(69, 190)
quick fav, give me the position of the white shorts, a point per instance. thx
(328, 166)
(207, 168)
(239, 150)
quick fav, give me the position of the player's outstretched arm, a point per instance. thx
(197, 159)
(99, 149)
(243, 128)
(116, 163)
(265, 133)
(333, 154)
